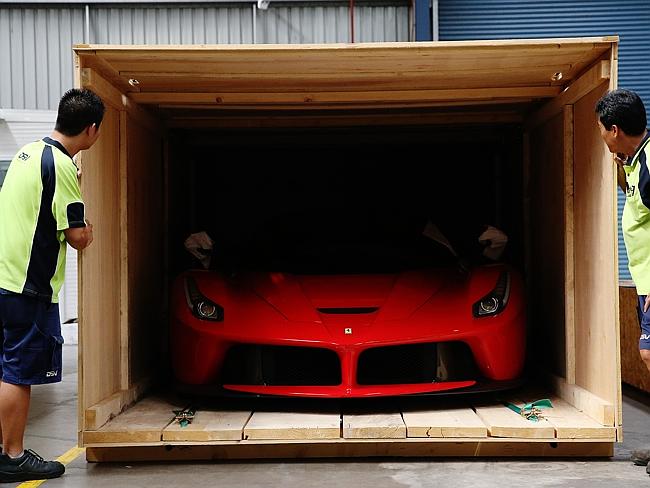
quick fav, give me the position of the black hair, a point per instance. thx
(622, 108)
(78, 109)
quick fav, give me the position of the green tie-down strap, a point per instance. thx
(531, 411)
(184, 417)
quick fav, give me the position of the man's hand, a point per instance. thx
(646, 306)
(80, 237)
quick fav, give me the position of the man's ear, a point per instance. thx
(615, 130)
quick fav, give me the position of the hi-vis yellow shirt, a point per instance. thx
(39, 199)
(636, 217)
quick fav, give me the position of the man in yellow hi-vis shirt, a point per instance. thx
(40, 211)
(622, 122)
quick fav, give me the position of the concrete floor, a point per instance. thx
(53, 425)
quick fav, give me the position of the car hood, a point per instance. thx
(325, 297)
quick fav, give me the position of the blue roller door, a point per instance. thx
(511, 19)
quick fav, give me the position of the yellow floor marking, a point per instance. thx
(66, 458)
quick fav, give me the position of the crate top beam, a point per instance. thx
(341, 75)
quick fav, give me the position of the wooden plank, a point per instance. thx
(124, 253)
(555, 43)
(353, 448)
(389, 425)
(569, 266)
(314, 98)
(293, 425)
(503, 422)
(210, 425)
(458, 421)
(366, 56)
(359, 68)
(571, 423)
(100, 305)
(595, 407)
(332, 56)
(596, 314)
(97, 415)
(351, 81)
(618, 403)
(594, 77)
(142, 423)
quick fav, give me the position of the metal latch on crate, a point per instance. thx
(531, 411)
(185, 417)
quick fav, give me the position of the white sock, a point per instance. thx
(15, 457)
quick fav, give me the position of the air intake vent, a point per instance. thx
(348, 310)
(248, 364)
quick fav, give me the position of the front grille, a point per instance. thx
(248, 364)
(416, 363)
(413, 363)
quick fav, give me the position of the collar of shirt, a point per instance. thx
(633, 159)
(57, 144)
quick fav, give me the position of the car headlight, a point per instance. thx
(202, 307)
(495, 301)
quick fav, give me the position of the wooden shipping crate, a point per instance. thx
(540, 92)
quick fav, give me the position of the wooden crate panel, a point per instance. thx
(444, 422)
(293, 425)
(210, 425)
(374, 426)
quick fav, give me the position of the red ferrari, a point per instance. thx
(402, 320)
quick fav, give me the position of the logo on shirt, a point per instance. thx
(630, 191)
(23, 156)
(51, 374)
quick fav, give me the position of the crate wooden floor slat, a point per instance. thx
(293, 425)
(151, 422)
(388, 425)
(144, 422)
(503, 422)
(460, 421)
(209, 425)
(570, 423)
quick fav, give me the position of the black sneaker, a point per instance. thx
(29, 466)
(640, 457)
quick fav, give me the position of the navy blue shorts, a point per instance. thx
(30, 345)
(644, 323)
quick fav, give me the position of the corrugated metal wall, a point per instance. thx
(172, 25)
(509, 19)
(35, 43)
(35, 55)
